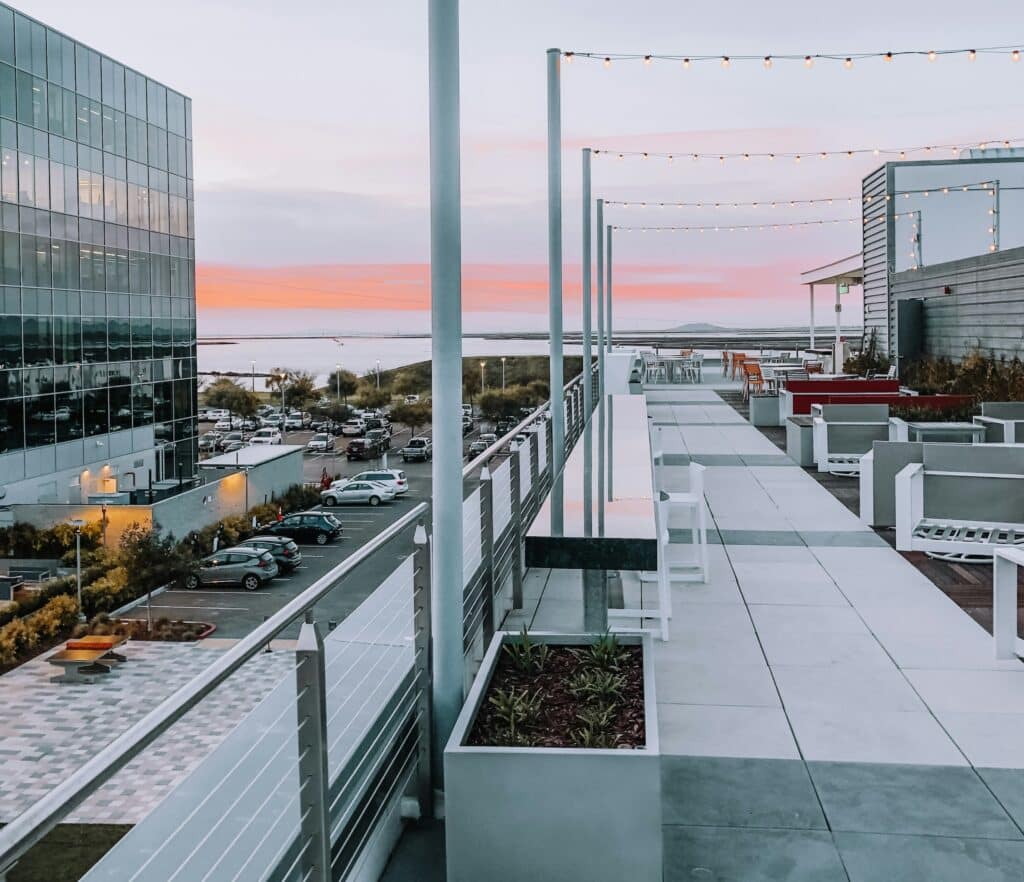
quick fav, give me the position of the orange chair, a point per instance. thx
(725, 362)
(814, 367)
(737, 363)
(753, 380)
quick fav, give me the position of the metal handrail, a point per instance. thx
(43, 815)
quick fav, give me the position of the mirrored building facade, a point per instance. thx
(97, 272)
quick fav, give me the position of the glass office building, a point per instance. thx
(97, 272)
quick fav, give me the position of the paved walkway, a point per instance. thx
(48, 730)
(825, 712)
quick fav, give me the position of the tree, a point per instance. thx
(151, 559)
(342, 382)
(232, 397)
(300, 389)
(412, 415)
(371, 396)
(495, 404)
(406, 383)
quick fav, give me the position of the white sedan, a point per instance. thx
(365, 492)
(321, 442)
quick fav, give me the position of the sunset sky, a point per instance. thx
(310, 124)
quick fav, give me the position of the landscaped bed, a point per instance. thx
(560, 696)
(164, 630)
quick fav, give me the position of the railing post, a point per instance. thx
(422, 664)
(535, 491)
(487, 551)
(311, 716)
(517, 526)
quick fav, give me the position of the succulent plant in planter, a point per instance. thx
(553, 768)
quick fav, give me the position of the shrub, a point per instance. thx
(870, 357)
(24, 540)
(21, 637)
(108, 593)
(986, 377)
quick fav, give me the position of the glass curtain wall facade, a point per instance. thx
(97, 249)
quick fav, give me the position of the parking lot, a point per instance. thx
(236, 611)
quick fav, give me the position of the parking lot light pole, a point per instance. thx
(78, 524)
(252, 364)
(482, 376)
(378, 373)
(503, 373)
(337, 381)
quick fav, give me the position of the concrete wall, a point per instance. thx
(985, 306)
(69, 472)
(119, 517)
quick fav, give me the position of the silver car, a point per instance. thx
(248, 567)
(366, 492)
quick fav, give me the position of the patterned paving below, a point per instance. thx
(49, 730)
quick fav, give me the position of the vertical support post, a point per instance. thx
(1004, 606)
(426, 761)
(611, 447)
(311, 714)
(588, 236)
(839, 317)
(595, 601)
(534, 446)
(446, 355)
(995, 216)
(811, 286)
(487, 551)
(517, 526)
(608, 288)
(600, 300)
(554, 62)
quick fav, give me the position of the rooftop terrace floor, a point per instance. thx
(825, 711)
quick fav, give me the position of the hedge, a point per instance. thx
(20, 638)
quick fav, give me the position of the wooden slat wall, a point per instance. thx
(986, 306)
(876, 248)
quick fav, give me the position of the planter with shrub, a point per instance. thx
(553, 768)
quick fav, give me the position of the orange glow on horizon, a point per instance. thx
(485, 287)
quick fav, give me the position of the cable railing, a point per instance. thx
(303, 789)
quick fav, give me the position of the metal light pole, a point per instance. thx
(503, 373)
(608, 290)
(588, 235)
(252, 364)
(482, 364)
(600, 298)
(78, 566)
(337, 382)
(554, 60)
(378, 373)
(446, 383)
(284, 410)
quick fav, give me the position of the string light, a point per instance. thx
(901, 152)
(737, 227)
(808, 59)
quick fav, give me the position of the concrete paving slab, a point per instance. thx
(873, 857)
(715, 730)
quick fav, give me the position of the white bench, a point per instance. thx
(843, 433)
(1009, 644)
(947, 536)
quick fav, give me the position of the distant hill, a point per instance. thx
(698, 327)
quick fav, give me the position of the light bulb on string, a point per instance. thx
(848, 63)
(647, 61)
(932, 55)
(887, 56)
(971, 55)
(1015, 55)
(686, 64)
(725, 61)
(607, 62)
(768, 62)
(808, 61)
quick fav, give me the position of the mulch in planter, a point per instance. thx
(557, 721)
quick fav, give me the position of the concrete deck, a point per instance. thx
(825, 711)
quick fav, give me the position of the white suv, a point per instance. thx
(266, 436)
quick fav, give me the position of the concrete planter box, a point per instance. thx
(800, 440)
(764, 410)
(553, 813)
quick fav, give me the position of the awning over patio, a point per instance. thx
(842, 274)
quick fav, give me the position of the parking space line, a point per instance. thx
(222, 608)
(235, 592)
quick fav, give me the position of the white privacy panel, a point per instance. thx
(471, 539)
(501, 496)
(525, 455)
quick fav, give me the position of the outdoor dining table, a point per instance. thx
(924, 431)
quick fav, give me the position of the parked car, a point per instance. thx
(374, 423)
(467, 410)
(353, 427)
(216, 413)
(479, 445)
(249, 424)
(364, 448)
(394, 478)
(380, 437)
(232, 446)
(347, 492)
(266, 436)
(412, 399)
(271, 420)
(321, 442)
(228, 423)
(506, 424)
(293, 422)
(208, 441)
(230, 438)
(285, 550)
(306, 526)
(419, 448)
(248, 567)
(467, 425)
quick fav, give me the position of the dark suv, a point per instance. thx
(364, 448)
(305, 526)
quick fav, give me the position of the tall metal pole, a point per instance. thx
(812, 314)
(588, 236)
(600, 299)
(555, 284)
(608, 289)
(446, 353)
